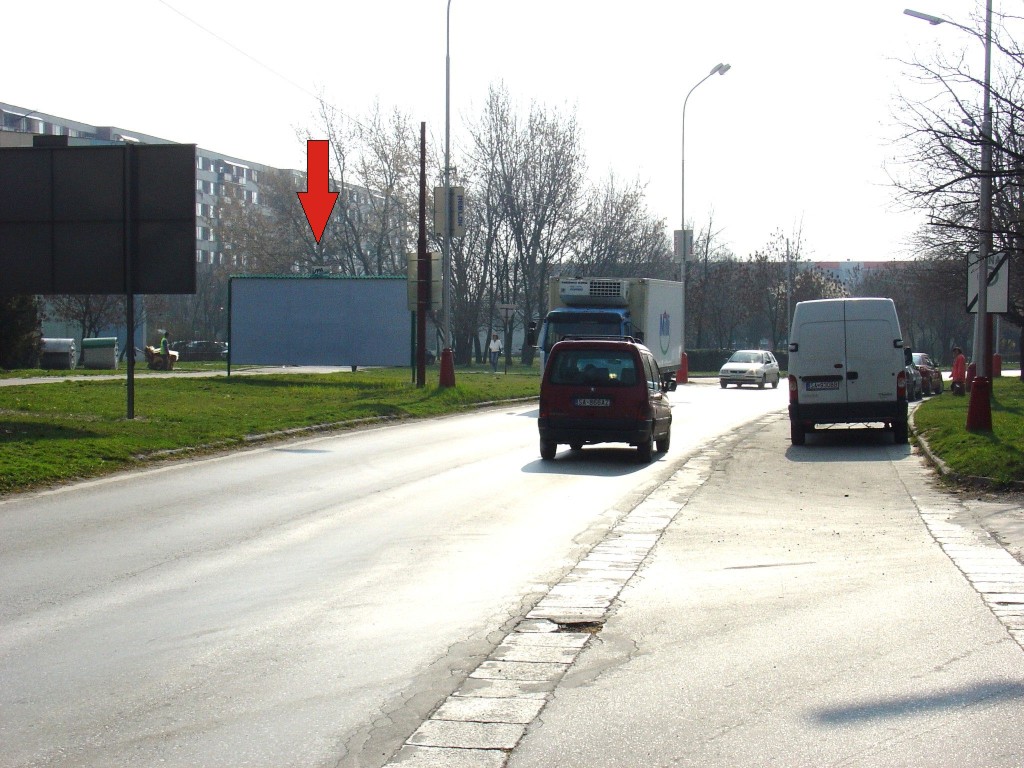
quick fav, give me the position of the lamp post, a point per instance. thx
(447, 373)
(684, 243)
(979, 411)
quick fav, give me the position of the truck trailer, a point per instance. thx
(647, 310)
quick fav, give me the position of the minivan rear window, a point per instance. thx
(594, 367)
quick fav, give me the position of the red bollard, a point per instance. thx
(979, 409)
(997, 365)
(447, 368)
(683, 375)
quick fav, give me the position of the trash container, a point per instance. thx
(59, 354)
(100, 353)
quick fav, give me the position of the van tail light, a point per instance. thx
(792, 389)
(901, 385)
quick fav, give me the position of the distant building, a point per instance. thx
(849, 272)
(217, 175)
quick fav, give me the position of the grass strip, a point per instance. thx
(71, 430)
(997, 455)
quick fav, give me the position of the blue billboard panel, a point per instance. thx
(337, 321)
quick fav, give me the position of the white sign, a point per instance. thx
(458, 205)
(998, 284)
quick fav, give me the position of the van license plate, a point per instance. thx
(592, 402)
(818, 386)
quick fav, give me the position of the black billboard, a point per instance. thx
(109, 219)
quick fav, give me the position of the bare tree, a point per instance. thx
(716, 301)
(269, 237)
(536, 191)
(618, 237)
(766, 289)
(376, 172)
(711, 290)
(92, 313)
(943, 139)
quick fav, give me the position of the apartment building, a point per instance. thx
(217, 175)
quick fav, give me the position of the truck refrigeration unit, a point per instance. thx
(649, 311)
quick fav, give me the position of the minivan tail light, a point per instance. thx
(792, 389)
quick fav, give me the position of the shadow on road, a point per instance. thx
(837, 442)
(957, 698)
(591, 460)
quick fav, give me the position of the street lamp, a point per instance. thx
(684, 244)
(979, 411)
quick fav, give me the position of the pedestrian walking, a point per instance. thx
(495, 348)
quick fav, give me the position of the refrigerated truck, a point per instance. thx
(647, 310)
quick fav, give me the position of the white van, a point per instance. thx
(846, 366)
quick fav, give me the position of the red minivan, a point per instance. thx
(603, 390)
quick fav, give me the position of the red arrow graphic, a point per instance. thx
(317, 201)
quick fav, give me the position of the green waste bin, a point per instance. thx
(100, 353)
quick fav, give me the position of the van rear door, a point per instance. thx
(822, 354)
(872, 356)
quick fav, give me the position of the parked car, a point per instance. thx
(603, 391)
(200, 350)
(914, 381)
(750, 366)
(931, 376)
(846, 366)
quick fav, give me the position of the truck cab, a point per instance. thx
(582, 321)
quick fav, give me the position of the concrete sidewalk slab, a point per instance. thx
(833, 628)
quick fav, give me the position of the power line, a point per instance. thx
(211, 33)
(234, 47)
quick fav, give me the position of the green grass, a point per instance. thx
(64, 431)
(71, 430)
(999, 454)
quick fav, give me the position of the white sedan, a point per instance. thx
(750, 366)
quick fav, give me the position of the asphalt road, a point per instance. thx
(300, 604)
(313, 603)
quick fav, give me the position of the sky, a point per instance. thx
(796, 137)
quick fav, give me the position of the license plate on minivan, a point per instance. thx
(592, 402)
(818, 386)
